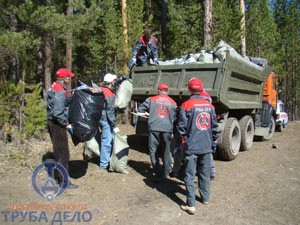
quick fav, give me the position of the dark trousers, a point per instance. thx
(201, 163)
(59, 139)
(155, 138)
(143, 60)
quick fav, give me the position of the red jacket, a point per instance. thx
(108, 113)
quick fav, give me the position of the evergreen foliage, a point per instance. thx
(136, 24)
(226, 22)
(15, 50)
(261, 30)
(184, 28)
(23, 107)
(26, 26)
(287, 18)
(34, 112)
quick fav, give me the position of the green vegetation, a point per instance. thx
(35, 36)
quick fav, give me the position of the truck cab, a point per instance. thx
(282, 117)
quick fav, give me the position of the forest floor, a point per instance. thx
(261, 186)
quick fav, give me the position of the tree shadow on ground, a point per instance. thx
(77, 168)
(170, 187)
(138, 143)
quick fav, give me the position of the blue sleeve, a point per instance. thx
(154, 50)
(181, 126)
(138, 45)
(215, 126)
(144, 107)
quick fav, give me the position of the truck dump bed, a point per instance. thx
(233, 83)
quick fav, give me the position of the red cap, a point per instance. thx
(163, 87)
(63, 72)
(204, 94)
(195, 85)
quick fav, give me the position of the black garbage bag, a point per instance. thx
(84, 114)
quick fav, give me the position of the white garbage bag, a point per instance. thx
(91, 148)
(124, 93)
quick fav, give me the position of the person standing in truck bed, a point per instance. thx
(145, 51)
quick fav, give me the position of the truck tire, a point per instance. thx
(279, 128)
(231, 140)
(271, 130)
(247, 133)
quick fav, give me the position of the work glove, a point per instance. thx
(214, 147)
(132, 63)
(70, 129)
(156, 62)
(116, 130)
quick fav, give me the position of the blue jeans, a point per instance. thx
(107, 137)
(212, 166)
(201, 163)
(178, 157)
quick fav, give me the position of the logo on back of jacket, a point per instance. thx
(203, 121)
(162, 111)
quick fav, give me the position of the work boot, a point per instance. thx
(72, 186)
(189, 209)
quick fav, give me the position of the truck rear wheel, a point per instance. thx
(247, 133)
(271, 130)
(231, 140)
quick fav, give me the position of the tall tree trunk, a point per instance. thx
(125, 36)
(48, 62)
(294, 88)
(207, 23)
(243, 29)
(39, 66)
(164, 26)
(14, 59)
(148, 10)
(69, 42)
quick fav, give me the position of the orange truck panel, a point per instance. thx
(270, 93)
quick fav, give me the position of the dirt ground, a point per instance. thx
(261, 186)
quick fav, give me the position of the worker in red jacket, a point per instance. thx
(198, 128)
(57, 120)
(162, 113)
(145, 51)
(107, 122)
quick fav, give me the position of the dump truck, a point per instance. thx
(242, 93)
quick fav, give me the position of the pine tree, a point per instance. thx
(226, 22)
(135, 15)
(184, 28)
(287, 18)
(261, 32)
(34, 113)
